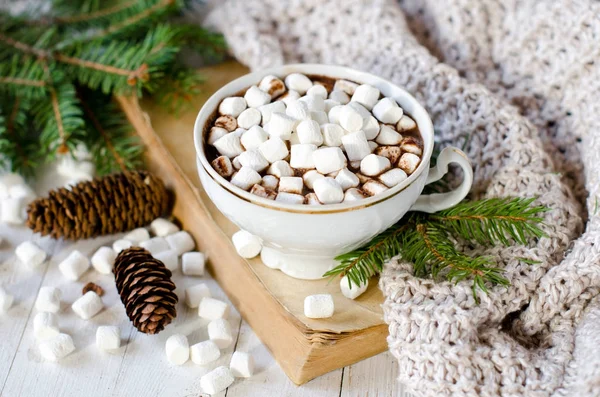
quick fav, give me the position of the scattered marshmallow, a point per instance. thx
(212, 309)
(162, 227)
(393, 177)
(405, 124)
(289, 198)
(229, 145)
(74, 265)
(246, 244)
(279, 168)
(121, 245)
(45, 326)
(271, 181)
(249, 118)
(388, 136)
(232, 106)
(10, 211)
(252, 138)
(273, 149)
(256, 97)
(346, 179)
(339, 96)
(48, 300)
(108, 337)
(193, 295)
(241, 364)
(372, 187)
(356, 145)
(317, 90)
(30, 254)
(391, 152)
(318, 306)
(22, 192)
(246, 177)
(302, 156)
(216, 380)
(309, 132)
(204, 352)
(169, 259)
(354, 291)
(298, 82)
(272, 85)
(226, 122)
(57, 347)
(137, 235)
(409, 162)
(410, 145)
(328, 191)
(103, 260)
(349, 87)
(387, 111)
(155, 245)
(311, 199)
(373, 165)
(177, 349)
(223, 166)
(350, 119)
(291, 184)
(310, 177)
(366, 95)
(88, 305)
(332, 134)
(219, 332)
(215, 134)
(353, 194)
(192, 263)
(6, 300)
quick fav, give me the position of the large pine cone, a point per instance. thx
(146, 290)
(112, 204)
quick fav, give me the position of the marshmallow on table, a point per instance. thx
(232, 106)
(301, 157)
(253, 159)
(391, 152)
(317, 90)
(223, 166)
(298, 82)
(103, 260)
(387, 111)
(263, 192)
(346, 179)
(318, 306)
(279, 168)
(88, 305)
(10, 179)
(373, 165)
(289, 198)
(249, 118)
(393, 177)
(216, 380)
(410, 145)
(349, 87)
(155, 245)
(168, 258)
(388, 136)
(356, 145)
(310, 177)
(6, 300)
(366, 95)
(246, 177)
(215, 134)
(405, 124)
(11, 211)
(252, 138)
(320, 117)
(350, 119)
(48, 300)
(226, 122)
(180, 242)
(291, 184)
(354, 291)
(56, 348)
(271, 181)
(256, 97)
(23, 193)
(328, 191)
(370, 127)
(162, 227)
(138, 235)
(353, 194)
(204, 352)
(212, 309)
(195, 294)
(311, 199)
(267, 110)
(272, 85)
(332, 134)
(309, 132)
(273, 149)
(298, 110)
(329, 159)
(372, 187)
(339, 96)
(108, 337)
(219, 332)
(241, 365)
(229, 145)
(246, 244)
(409, 162)
(121, 245)
(177, 349)
(45, 326)
(74, 265)
(192, 263)
(30, 254)
(334, 114)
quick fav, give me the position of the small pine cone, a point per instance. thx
(146, 290)
(112, 204)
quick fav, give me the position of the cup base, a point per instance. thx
(304, 267)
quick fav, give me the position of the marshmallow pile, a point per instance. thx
(300, 141)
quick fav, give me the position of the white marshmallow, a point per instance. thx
(6, 300)
(289, 96)
(121, 245)
(162, 227)
(226, 122)
(334, 114)
(409, 162)
(347, 179)
(48, 300)
(249, 118)
(373, 188)
(302, 156)
(320, 117)
(267, 110)
(108, 337)
(103, 260)
(289, 198)
(253, 159)
(272, 85)
(356, 145)
(328, 191)
(363, 178)
(329, 159)
(11, 211)
(313, 103)
(204, 352)
(57, 347)
(391, 152)
(309, 132)
(330, 104)
(339, 96)
(291, 184)
(180, 242)
(219, 332)
(263, 192)
(212, 309)
(388, 136)
(310, 177)
(236, 164)
(354, 291)
(74, 265)
(373, 165)
(246, 244)
(45, 326)
(271, 181)
(280, 168)
(245, 178)
(239, 132)
(232, 106)
(216, 380)
(298, 110)
(193, 295)
(350, 119)
(88, 305)
(353, 194)
(241, 365)
(223, 166)
(294, 140)
(229, 145)
(155, 245)
(393, 177)
(22, 192)
(256, 97)
(30, 254)
(355, 164)
(410, 145)
(332, 134)
(169, 259)
(366, 95)
(373, 146)
(215, 134)
(192, 263)
(317, 90)
(273, 149)
(405, 124)
(10, 179)
(311, 199)
(298, 82)
(318, 306)
(137, 235)
(177, 349)
(346, 86)
(360, 109)
(252, 138)
(387, 111)
(370, 127)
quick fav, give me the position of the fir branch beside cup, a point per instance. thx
(427, 240)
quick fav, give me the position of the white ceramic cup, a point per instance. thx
(302, 240)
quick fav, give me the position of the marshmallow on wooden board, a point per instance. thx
(310, 177)
(6, 300)
(373, 165)
(256, 97)
(30, 254)
(313, 103)
(271, 181)
(252, 138)
(405, 124)
(329, 159)
(372, 187)
(311, 199)
(212, 309)
(204, 352)
(349, 87)
(291, 184)
(10, 211)
(329, 104)
(232, 106)
(272, 85)
(162, 227)
(226, 122)
(215, 134)
(253, 159)
(216, 380)
(332, 134)
(328, 191)
(301, 157)
(370, 127)
(48, 300)
(219, 331)
(229, 145)
(108, 337)
(249, 118)
(223, 166)
(180, 242)
(56, 348)
(289, 198)
(393, 177)
(411, 145)
(388, 136)
(298, 82)
(192, 263)
(334, 114)
(320, 117)
(121, 244)
(346, 179)
(177, 349)
(280, 168)
(103, 260)
(267, 110)
(317, 90)
(169, 259)
(245, 178)
(356, 145)
(350, 119)
(409, 162)
(309, 132)
(366, 95)
(246, 244)
(194, 294)
(261, 191)
(353, 194)
(339, 96)
(137, 235)
(88, 305)
(297, 110)
(74, 265)
(45, 326)
(273, 149)
(241, 365)
(387, 111)
(318, 306)
(155, 245)
(354, 291)
(391, 152)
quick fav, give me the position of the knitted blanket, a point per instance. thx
(519, 82)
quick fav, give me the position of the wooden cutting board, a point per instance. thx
(270, 301)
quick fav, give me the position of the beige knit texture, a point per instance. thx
(519, 82)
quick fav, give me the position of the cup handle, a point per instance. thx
(440, 201)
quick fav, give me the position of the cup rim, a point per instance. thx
(418, 113)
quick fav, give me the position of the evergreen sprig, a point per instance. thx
(427, 240)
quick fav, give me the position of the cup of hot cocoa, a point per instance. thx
(316, 160)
